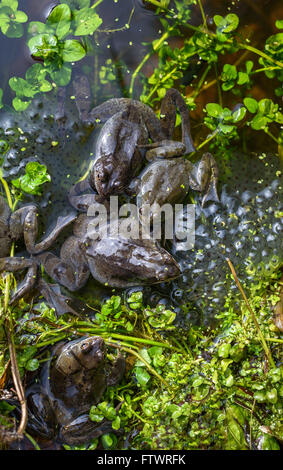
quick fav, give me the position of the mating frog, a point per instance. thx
(123, 141)
(128, 126)
(74, 379)
(116, 261)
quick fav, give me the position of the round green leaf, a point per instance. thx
(251, 105)
(72, 51)
(20, 17)
(213, 109)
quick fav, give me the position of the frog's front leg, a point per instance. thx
(25, 220)
(71, 269)
(81, 201)
(204, 176)
(172, 100)
(117, 371)
(14, 264)
(164, 149)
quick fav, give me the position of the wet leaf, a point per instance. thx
(72, 51)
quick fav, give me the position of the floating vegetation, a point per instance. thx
(203, 353)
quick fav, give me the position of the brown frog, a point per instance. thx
(23, 223)
(74, 379)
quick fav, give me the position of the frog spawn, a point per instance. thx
(245, 226)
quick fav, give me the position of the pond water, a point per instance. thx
(243, 226)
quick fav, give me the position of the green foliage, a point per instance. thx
(27, 88)
(12, 19)
(35, 176)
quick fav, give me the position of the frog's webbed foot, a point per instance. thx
(71, 269)
(14, 264)
(25, 220)
(55, 299)
(172, 100)
(82, 430)
(204, 177)
(82, 94)
(164, 149)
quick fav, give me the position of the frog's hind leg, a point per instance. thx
(204, 176)
(14, 264)
(172, 100)
(25, 220)
(71, 269)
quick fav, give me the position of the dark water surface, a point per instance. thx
(252, 193)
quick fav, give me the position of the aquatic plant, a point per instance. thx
(207, 388)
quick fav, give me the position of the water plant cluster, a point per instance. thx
(205, 388)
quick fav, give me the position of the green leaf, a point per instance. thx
(36, 174)
(11, 3)
(141, 375)
(251, 105)
(20, 105)
(279, 24)
(32, 364)
(225, 128)
(72, 51)
(87, 21)
(14, 30)
(61, 76)
(20, 17)
(22, 87)
(116, 423)
(213, 109)
(1, 96)
(259, 122)
(60, 20)
(267, 442)
(108, 440)
(37, 27)
(242, 78)
(239, 114)
(43, 45)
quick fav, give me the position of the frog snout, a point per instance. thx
(171, 270)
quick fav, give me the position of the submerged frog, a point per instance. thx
(23, 223)
(74, 379)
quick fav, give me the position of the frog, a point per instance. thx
(123, 145)
(168, 181)
(23, 223)
(117, 260)
(74, 378)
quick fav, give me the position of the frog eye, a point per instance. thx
(86, 347)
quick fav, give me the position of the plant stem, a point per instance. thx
(96, 4)
(146, 57)
(202, 30)
(263, 342)
(202, 13)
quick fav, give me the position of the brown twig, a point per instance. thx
(17, 382)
